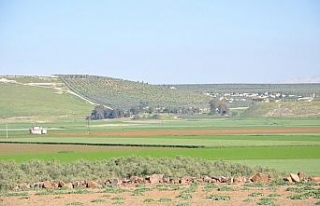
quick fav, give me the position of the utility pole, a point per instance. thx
(88, 124)
(7, 135)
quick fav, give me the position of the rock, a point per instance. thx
(166, 180)
(224, 179)
(174, 180)
(55, 185)
(288, 179)
(115, 182)
(137, 180)
(259, 177)
(61, 183)
(185, 180)
(214, 178)
(207, 179)
(239, 180)
(314, 179)
(93, 185)
(301, 175)
(79, 184)
(48, 185)
(126, 181)
(295, 177)
(38, 185)
(154, 179)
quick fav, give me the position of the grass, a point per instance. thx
(177, 140)
(286, 152)
(284, 158)
(43, 103)
(216, 197)
(248, 155)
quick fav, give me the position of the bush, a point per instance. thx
(34, 171)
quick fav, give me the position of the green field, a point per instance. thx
(287, 152)
(181, 141)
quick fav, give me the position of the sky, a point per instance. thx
(164, 41)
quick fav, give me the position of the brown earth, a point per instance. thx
(16, 148)
(241, 195)
(230, 131)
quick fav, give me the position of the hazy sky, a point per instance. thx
(164, 41)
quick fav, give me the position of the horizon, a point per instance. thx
(180, 42)
(297, 81)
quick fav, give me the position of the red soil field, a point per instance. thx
(146, 133)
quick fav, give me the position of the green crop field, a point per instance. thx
(288, 152)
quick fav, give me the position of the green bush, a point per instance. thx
(35, 170)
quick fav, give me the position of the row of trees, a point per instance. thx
(101, 112)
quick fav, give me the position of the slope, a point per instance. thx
(39, 101)
(296, 109)
(125, 94)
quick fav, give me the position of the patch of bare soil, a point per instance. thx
(147, 133)
(181, 195)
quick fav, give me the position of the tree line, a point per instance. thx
(216, 107)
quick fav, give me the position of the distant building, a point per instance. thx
(38, 130)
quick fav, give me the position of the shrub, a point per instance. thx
(35, 170)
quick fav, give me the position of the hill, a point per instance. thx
(64, 97)
(34, 98)
(118, 93)
(284, 109)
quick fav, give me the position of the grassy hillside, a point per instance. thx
(25, 102)
(39, 98)
(284, 109)
(124, 94)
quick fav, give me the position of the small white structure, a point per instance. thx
(38, 130)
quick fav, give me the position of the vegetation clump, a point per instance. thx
(33, 171)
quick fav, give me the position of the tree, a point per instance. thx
(98, 112)
(219, 107)
(213, 107)
(222, 108)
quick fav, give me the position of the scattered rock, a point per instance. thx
(79, 184)
(259, 177)
(93, 185)
(154, 179)
(137, 180)
(314, 179)
(61, 184)
(115, 182)
(207, 179)
(166, 180)
(185, 180)
(288, 179)
(295, 177)
(239, 180)
(48, 185)
(301, 175)
(125, 181)
(38, 185)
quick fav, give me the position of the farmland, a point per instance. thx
(275, 138)
(274, 143)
